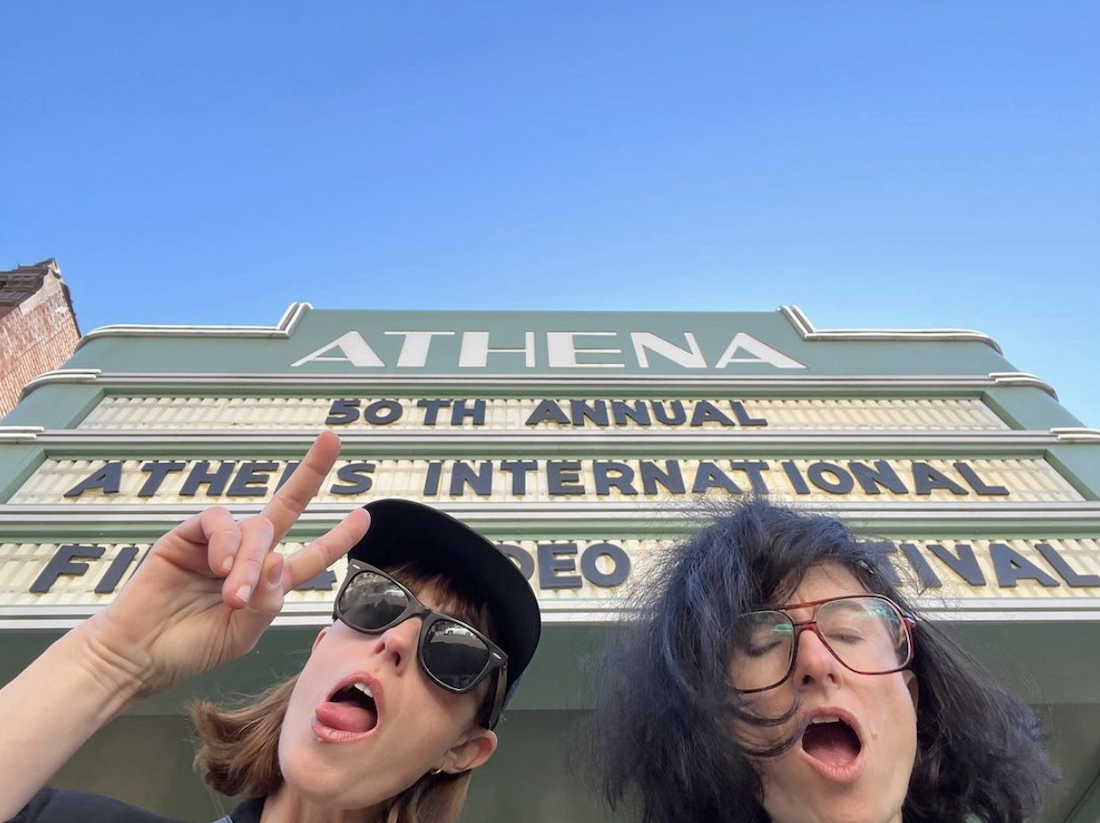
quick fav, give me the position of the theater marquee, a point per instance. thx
(581, 443)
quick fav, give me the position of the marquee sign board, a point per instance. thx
(586, 576)
(661, 415)
(538, 345)
(523, 480)
(540, 415)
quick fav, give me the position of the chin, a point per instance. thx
(856, 812)
(834, 807)
(309, 776)
(323, 776)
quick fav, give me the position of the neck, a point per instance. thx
(287, 806)
(897, 818)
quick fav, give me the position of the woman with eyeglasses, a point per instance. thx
(393, 709)
(774, 674)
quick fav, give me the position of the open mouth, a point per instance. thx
(350, 709)
(831, 741)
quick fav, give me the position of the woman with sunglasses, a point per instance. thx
(393, 709)
(785, 679)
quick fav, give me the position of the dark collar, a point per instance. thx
(249, 811)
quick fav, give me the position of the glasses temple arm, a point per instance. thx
(497, 707)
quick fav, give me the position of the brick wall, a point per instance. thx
(37, 336)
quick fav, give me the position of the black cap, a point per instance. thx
(402, 530)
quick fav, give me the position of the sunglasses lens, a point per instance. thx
(454, 655)
(372, 602)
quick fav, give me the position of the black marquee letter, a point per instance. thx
(523, 560)
(962, 562)
(611, 474)
(840, 483)
(620, 561)
(66, 560)
(926, 478)
(251, 480)
(383, 412)
(1073, 578)
(107, 480)
(976, 483)
(158, 470)
(519, 470)
(201, 476)
(356, 476)
(583, 411)
(1011, 567)
(672, 478)
(547, 411)
(707, 412)
(109, 582)
(564, 477)
(925, 573)
(479, 479)
(322, 582)
(555, 558)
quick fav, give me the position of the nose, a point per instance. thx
(397, 644)
(814, 664)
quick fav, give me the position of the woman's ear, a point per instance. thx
(473, 749)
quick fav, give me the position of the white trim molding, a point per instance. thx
(813, 439)
(545, 383)
(62, 376)
(1019, 378)
(1076, 434)
(283, 329)
(805, 328)
(20, 434)
(643, 516)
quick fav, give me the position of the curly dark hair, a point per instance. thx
(979, 748)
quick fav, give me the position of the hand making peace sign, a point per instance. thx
(209, 588)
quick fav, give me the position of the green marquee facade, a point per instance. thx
(581, 442)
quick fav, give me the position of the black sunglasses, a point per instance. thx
(454, 655)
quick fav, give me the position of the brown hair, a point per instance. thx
(239, 745)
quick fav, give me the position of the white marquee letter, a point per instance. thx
(562, 346)
(762, 351)
(354, 348)
(414, 351)
(690, 358)
(475, 350)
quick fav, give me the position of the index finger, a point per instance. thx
(288, 503)
(311, 560)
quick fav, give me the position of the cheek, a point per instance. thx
(769, 705)
(296, 730)
(893, 730)
(907, 743)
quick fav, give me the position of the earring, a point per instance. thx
(435, 771)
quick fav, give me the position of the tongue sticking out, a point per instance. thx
(348, 711)
(833, 743)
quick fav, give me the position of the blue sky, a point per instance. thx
(932, 164)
